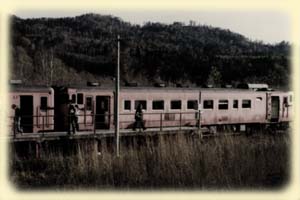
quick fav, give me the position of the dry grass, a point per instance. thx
(175, 162)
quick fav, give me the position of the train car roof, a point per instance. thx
(28, 88)
(129, 89)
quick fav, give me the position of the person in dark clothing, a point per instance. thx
(17, 119)
(77, 112)
(72, 118)
(139, 121)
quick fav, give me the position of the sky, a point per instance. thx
(269, 27)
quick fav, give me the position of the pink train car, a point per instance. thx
(96, 106)
(165, 107)
(36, 106)
(178, 106)
(238, 106)
(46, 109)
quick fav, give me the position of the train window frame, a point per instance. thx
(80, 98)
(137, 102)
(208, 106)
(192, 104)
(223, 104)
(235, 104)
(88, 107)
(160, 105)
(125, 105)
(43, 106)
(247, 103)
(173, 104)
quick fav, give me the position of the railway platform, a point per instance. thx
(99, 134)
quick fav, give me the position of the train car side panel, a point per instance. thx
(234, 107)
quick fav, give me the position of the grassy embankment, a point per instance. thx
(229, 162)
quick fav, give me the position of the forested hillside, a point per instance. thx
(75, 50)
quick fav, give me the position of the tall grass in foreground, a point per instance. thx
(177, 162)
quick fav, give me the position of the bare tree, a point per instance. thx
(45, 65)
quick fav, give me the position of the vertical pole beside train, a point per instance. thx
(117, 136)
(199, 115)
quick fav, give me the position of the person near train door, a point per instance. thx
(72, 118)
(139, 121)
(17, 119)
(77, 113)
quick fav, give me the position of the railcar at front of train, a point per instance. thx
(36, 108)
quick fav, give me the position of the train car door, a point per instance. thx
(102, 118)
(61, 99)
(88, 112)
(275, 108)
(26, 108)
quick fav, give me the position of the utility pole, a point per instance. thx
(117, 84)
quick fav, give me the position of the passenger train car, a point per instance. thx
(162, 106)
(36, 105)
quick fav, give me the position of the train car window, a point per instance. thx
(73, 98)
(208, 104)
(235, 103)
(223, 104)
(158, 105)
(79, 98)
(143, 102)
(176, 104)
(192, 104)
(285, 100)
(88, 103)
(127, 105)
(44, 103)
(291, 98)
(246, 103)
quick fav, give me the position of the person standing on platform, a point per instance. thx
(139, 120)
(17, 119)
(77, 114)
(72, 118)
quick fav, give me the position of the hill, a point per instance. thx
(84, 48)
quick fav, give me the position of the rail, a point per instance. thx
(43, 124)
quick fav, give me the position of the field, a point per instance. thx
(180, 162)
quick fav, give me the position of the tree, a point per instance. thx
(44, 64)
(214, 77)
(174, 52)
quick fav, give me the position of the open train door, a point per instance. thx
(61, 99)
(102, 118)
(275, 102)
(26, 109)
